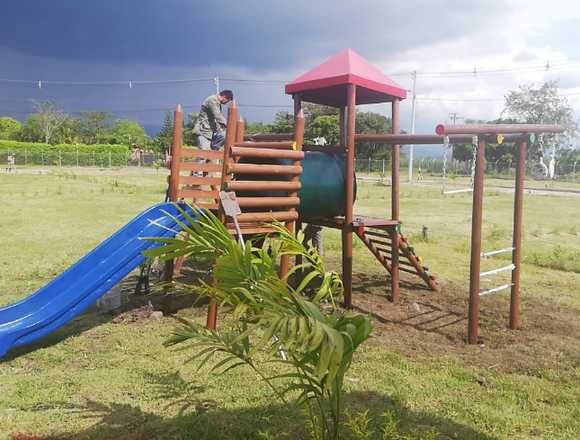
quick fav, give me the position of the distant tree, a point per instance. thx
(258, 127)
(50, 118)
(188, 137)
(68, 132)
(94, 126)
(325, 126)
(283, 122)
(372, 123)
(127, 132)
(9, 128)
(31, 129)
(464, 152)
(163, 139)
(542, 105)
(312, 111)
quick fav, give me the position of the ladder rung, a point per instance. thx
(197, 194)
(387, 244)
(269, 137)
(457, 191)
(249, 168)
(267, 216)
(195, 166)
(268, 202)
(198, 180)
(507, 268)
(257, 185)
(284, 145)
(267, 153)
(495, 289)
(499, 251)
(382, 234)
(203, 154)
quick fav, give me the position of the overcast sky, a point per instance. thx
(139, 40)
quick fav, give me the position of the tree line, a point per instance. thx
(50, 125)
(527, 104)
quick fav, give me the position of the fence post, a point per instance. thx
(77, 157)
(383, 167)
(60, 159)
(110, 159)
(25, 156)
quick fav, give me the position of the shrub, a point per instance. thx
(35, 147)
(314, 349)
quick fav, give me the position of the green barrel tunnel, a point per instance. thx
(323, 191)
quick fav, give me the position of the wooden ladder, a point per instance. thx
(378, 241)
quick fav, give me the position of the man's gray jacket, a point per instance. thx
(211, 118)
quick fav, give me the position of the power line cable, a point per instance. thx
(476, 71)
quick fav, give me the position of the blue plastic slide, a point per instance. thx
(83, 283)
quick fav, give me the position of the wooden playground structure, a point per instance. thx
(266, 173)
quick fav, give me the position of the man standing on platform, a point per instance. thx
(211, 122)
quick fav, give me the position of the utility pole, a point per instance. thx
(413, 108)
(216, 81)
(453, 117)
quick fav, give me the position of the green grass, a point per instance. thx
(106, 379)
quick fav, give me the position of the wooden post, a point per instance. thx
(475, 265)
(176, 145)
(297, 110)
(298, 141)
(342, 127)
(349, 199)
(517, 236)
(240, 128)
(231, 133)
(395, 215)
(231, 136)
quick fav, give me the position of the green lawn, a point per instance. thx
(105, 377)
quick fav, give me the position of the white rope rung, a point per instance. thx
(455, 191)
(495, 289)
(499, 251)
(509, 267)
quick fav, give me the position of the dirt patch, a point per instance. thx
(429, 324)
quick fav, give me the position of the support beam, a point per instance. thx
(517, 236)
(442, 129)
(298, 141)
(395, 214)
(424, 139)
(231, 133)
(298, 225)
(176, 149)
(342, 127)
(349, 199)
(475, 265)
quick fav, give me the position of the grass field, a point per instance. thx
(109, 377)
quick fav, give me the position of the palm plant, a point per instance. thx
(315, 349)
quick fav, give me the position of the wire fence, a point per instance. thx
(455, 168)
(56, 158)
(382, 167)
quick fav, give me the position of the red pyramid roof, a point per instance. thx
(326, 83)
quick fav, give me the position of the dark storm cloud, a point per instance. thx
(261, 35)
